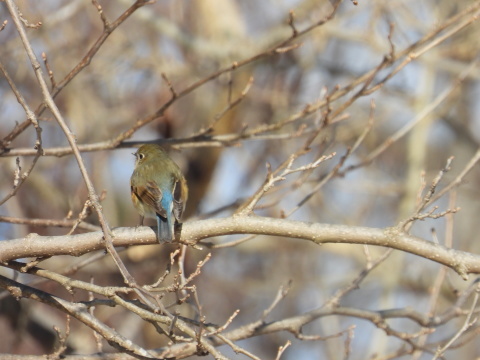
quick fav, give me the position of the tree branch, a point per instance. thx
(463, 263)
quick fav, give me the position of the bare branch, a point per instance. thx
(192, 232)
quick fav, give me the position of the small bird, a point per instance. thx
(158, 189)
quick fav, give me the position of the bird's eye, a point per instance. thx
(141, 156)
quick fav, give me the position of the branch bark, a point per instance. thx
(193, 232)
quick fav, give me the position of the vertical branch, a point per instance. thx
(38, 130)
(94, 199)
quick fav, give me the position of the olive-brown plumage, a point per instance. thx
(158, 189)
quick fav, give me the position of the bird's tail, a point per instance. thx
(165, 228)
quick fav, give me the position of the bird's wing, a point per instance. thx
(151, 195)
(179, 198)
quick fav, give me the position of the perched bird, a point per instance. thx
(158, 189)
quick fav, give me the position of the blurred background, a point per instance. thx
(189, 40)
